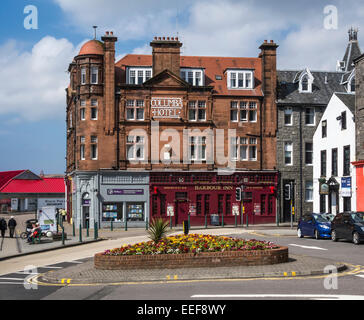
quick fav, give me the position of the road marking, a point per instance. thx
(307, 247)
(73, 261)
(19, 279)
(25, 273)
(22, 283)
(305, 296)
(360, 275)
(49, 267)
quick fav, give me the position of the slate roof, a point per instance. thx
(322, 90)
(351, 53)
(348, 99)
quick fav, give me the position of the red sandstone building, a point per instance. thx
(170, 135)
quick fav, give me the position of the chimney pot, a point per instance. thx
(271, 41)
(159, 38)
(155, 38)
(176, 38)
(107, 33)
(172, 38)
(167, 38)
(112, 32)
(164, 38)
(265, 41)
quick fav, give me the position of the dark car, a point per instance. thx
(314, 225)
(349, 226)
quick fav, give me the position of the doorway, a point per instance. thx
(182, 209)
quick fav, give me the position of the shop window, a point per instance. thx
(262, 204)
(112, 211)
(228, 204)
(135, 211)
(220, 208)
(207, 204)
(270, 204)
(198, 204)
(154, 205)
(163, 204)
(347, 204)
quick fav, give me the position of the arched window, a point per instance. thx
(352, 85)
(304, 84)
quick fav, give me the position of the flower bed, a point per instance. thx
(192, 251)
(192, 243)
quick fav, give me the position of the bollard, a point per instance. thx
(126, 224)
(205, 221)
(62, 235)
(189, 222)
(146, 223)
(95, 230)
(87, 227)
(222, 220)
(73, 228)
(80, 233)
(236, 221)
(170, 222)
(111, 226)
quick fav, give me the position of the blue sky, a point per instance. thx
(34, 62)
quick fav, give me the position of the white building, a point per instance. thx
(334, 182)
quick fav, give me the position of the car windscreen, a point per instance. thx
(358, 217)
(320, 218)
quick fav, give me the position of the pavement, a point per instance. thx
(86, 274)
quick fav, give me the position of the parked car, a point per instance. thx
(349, 226)
(328, 216)
(314, 225)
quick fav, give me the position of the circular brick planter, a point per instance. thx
(190, 260)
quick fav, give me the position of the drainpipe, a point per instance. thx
(301, 165)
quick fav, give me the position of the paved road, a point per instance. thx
(348, 285)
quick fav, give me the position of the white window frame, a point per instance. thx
(199, 144)
(135, 105)
(82, 148)
(314, 116)
(94, 71)
(184, 73)
(83, 113)
(93, 147)
(310, 151)
(83, 75)
(136, 143)
(351, 79)
(309, 78)
(288, 143)
(253, 107)
(288, 111)
(309, 187)
(240, 77)
(91, 117)
(253, 146)
(146, 71)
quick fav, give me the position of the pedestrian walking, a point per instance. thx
(3, 227)
(12, 225)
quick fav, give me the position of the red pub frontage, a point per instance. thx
(202, 194)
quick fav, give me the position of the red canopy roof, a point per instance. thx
(7, 176)
(45, 185)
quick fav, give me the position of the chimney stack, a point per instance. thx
(166, 54)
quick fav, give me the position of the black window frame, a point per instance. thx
(323, 163)
(334, 163)
(346, 161)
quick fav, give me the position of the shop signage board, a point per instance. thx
(346, 187)
(235, 210)
(125, 192)
(47, 218)
(257, 208)
(170, 211)
(166, 107)
(59, 203)
(14, 204)
(324, 188)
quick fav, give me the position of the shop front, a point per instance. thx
(206, 197)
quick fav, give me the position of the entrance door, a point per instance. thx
(86, 216)
(182, 208)
(288, 197)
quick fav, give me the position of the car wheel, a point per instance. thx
(333, 236)
(317, 235)
(299, 233)
(356, 238)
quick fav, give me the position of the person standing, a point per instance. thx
(12, 225)
(3, 227)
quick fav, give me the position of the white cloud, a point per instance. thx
(226, 27)
(33, 83)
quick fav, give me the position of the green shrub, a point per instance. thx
(157, 229)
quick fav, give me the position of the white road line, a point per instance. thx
(26, 273)
(49, 267)
(19, 279)
(74, 261)
(21, 283)
(360, 275)
(306, 296)
(307, 247)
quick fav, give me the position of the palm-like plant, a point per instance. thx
(157, 229)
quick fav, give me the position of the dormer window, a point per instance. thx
(305, 82)
(351, 85)
(194, 77)
(240, 79)
(137, 75)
